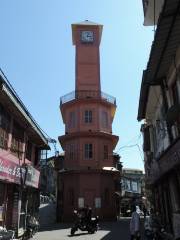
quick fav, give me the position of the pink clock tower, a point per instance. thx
(89, 174)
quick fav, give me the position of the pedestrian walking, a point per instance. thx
(135, 224)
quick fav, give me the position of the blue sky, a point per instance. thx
(37, 56)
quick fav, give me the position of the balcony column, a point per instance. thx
(24, 147)
(33, 154)
(163, 90)
(10, 134)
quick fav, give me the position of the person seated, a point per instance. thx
(82, 215)
(85, 214)
(89, 214)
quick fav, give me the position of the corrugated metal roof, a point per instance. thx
(166, 42)
(143, 97)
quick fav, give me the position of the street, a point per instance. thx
(49, 230)
(90, 120)
(108, 230)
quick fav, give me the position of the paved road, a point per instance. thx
(50, 230)
(108, 231)
(47, 214)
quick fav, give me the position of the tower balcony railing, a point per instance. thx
(84, 94)
(145, 6)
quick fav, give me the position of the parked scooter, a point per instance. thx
(32, 227)
(6, 234)
(85, 222)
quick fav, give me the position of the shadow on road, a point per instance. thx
(110, 230)
(47, 216)
(55, 226)
(78, 234)
(118, 229)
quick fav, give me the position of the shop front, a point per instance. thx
(166, 188)
(19, 194)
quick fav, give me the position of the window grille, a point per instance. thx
(17, 140)
(4, 127)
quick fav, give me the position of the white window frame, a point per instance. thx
(97, 202)
(88, 116)
(80, 202)
(88, 150)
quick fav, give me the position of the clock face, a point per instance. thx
(87, 36)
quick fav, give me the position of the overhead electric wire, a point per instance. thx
(127, 146)
(132, 145)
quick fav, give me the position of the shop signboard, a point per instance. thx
(32, 177)
(9, 171)
(12, 172)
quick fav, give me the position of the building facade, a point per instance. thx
(133, 190)
(48, 177)
(89, 173)
(21, 142)
(159, 108)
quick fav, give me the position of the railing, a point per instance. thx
(87, 95)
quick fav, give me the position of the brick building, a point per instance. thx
(89, 173)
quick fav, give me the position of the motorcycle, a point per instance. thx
(154, 230)
(158, 234)
(161, 234)
(32, 227)
(85, 224)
